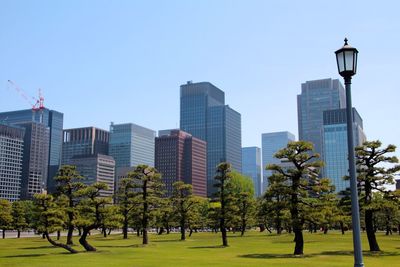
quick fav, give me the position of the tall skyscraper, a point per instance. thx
(205, 116)
(316, 97)
(131, 145)
(87, 141)
(35, 159)
(251, 166)
(181, 157)
(96, 168)
(335, 145)
(272, 143)
(11, 151)
(51, 119)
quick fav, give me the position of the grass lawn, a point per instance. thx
(202, 249)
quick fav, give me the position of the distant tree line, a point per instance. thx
(296, 199)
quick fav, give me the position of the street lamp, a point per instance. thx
(346, 59)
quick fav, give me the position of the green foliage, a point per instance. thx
(19, 216)
(373, 176)
(48, 216)
(148, 190)
(5, 215)
(298, 185)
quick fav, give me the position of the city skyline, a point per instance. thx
(108, 59)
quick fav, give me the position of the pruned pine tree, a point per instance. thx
(92, 211)
(298, 184)
(148, 191)
(49, 218)
(226, 199)
(126, 202)
(183, 203)
(6, 217)
(69, 181)
(19, 217)
(372, 176)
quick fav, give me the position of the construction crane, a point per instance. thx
(37, 105)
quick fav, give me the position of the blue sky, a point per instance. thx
(123, 61)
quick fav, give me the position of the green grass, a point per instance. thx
(202, 249)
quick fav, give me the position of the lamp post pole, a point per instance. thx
(346, 58)
(355, 217)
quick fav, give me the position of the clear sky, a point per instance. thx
(123, 61)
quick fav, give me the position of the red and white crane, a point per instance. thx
(37, 104)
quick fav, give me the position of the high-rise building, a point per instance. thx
(131, 145)
(51, 119)
(205, 116)
(35, 159)
(11, 151)
(272, 143)
(316, 97)
(87, 141)
(181, 157)
(251, 166)
(335, 145)
(96, 168)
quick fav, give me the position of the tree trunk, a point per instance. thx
(70, 225)
(298, 249)
(67, 247)
(58, 235)
(342, 227)
(190, 232)
(4, 233)
(168, 229)
(262, 228)
(373, 243)
(104, 231)
(138, 232)
(125, 227)
(243, 227)
(325, 230)
(182, 226)
(18, 233)
(79, 231)
(145, 237)
(84, 242)
(109, 231)
(161, 231)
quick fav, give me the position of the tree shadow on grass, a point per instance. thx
(323, 253)
(274, 256)
(40, 247)
(200, 247)
(169, 240)
(35, 255)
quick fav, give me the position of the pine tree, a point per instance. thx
(372, 176)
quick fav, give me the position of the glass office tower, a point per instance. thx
(316, 97)
(11, 151)
(51, 119)
(251, 166)
(131, 145)
(203, 114)
(272, 143)
(335, 145)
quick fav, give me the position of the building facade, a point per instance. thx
(87, 141)
(316, 97)
(11, 152)
(335, 145)
(96, 168)
(131, 145)
(35, 159)
(181, 157)
(51, 119)
(272, 143)
(204, 115)
(251, 166)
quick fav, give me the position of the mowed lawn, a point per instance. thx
(202, 249)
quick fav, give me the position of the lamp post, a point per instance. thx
(346, 58)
